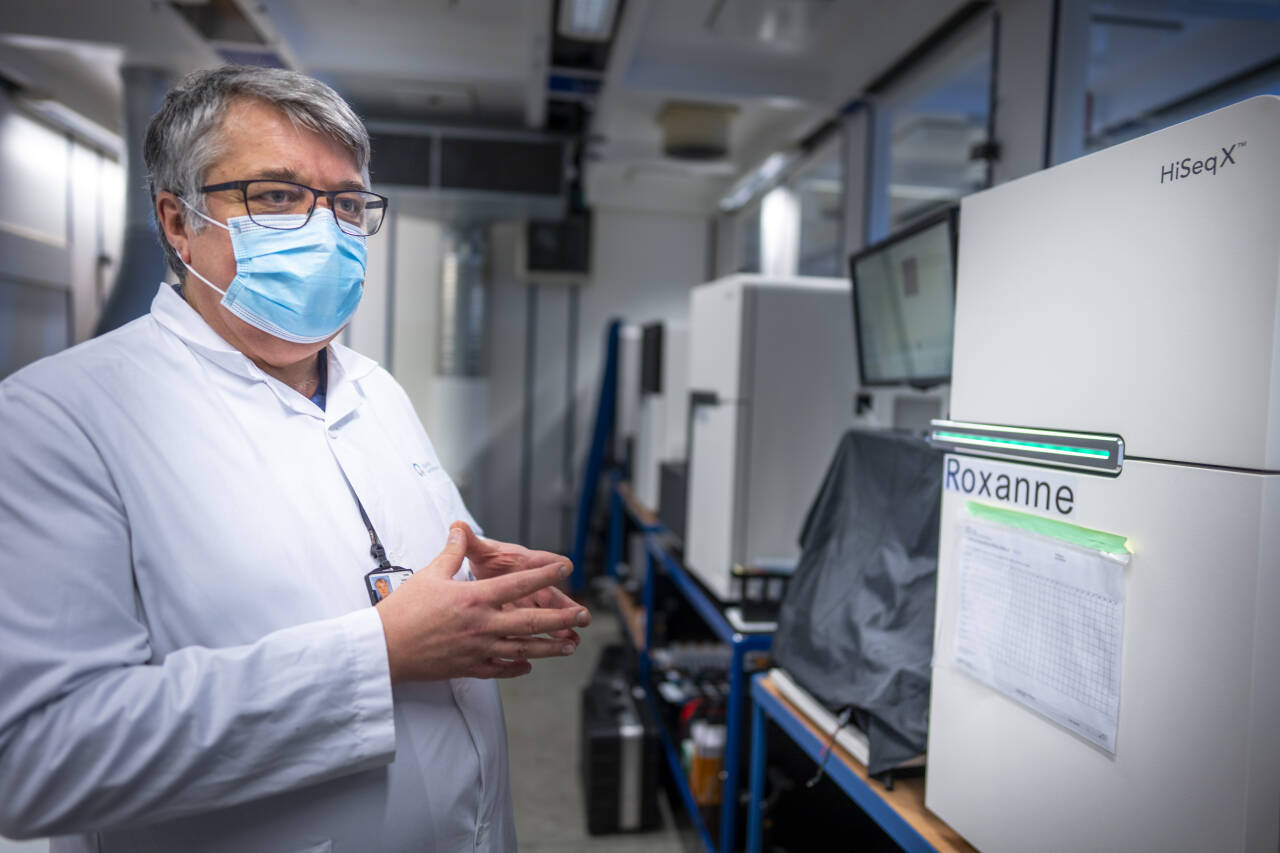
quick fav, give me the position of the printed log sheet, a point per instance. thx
(1041, 620)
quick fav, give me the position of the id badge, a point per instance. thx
(383, 582)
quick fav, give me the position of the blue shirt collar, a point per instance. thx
(323, 386)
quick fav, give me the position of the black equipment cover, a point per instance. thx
(856, 625)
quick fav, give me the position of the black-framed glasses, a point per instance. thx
(357, 212)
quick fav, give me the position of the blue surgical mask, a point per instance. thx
(300, 285)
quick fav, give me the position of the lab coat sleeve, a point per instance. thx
(94, 732)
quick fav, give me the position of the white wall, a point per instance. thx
(97, 229)
(453, 409)
(34, 170)
(367, 331)
(496, 502)
(643, 267)
(402, 285)
(61, 219)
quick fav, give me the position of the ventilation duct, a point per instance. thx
(470, 176)
(462, 314)
(695, 131)
(142, 263)
(239, 30)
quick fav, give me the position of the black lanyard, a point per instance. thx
(383, 580)
(375, 545)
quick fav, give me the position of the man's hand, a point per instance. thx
(491, 559)
(438, 628)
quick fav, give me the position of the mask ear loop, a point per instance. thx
(188, 266)
(202, 278)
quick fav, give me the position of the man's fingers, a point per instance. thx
(495, 668)
(529, 648)
(474, 544)
(516, 585)
(528, 621)
(567, 634)
(542, 558)
(501, 557)
(448, 561)
(553, 597)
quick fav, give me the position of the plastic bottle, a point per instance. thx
(708, 758)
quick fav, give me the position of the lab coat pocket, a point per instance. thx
(443, 494)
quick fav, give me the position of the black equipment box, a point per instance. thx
(673, 495)
(619, 753)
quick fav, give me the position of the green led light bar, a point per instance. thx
(1010, 442)
(1081, 451)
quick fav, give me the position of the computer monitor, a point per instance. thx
(557, 252)
(904, 304)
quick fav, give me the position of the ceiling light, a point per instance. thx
(587, 20)
(66, 119)
(757, 180)
(784, 26)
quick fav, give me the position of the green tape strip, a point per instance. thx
(1096, 540)
(992, 441)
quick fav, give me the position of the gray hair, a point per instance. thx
(184, 138)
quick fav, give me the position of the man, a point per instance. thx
(204, 495)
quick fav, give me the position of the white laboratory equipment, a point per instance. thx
(1126, 304)
(771, 382)
(662, 427)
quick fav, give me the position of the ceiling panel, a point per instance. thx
(432, 39)
(702, 50)
(484, 62)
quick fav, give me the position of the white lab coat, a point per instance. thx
(188, 657)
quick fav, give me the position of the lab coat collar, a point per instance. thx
(346, 366)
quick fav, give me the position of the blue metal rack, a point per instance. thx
(594, 467)
(658, 559)
(740, 644)
(619, 511)
(903, 830)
